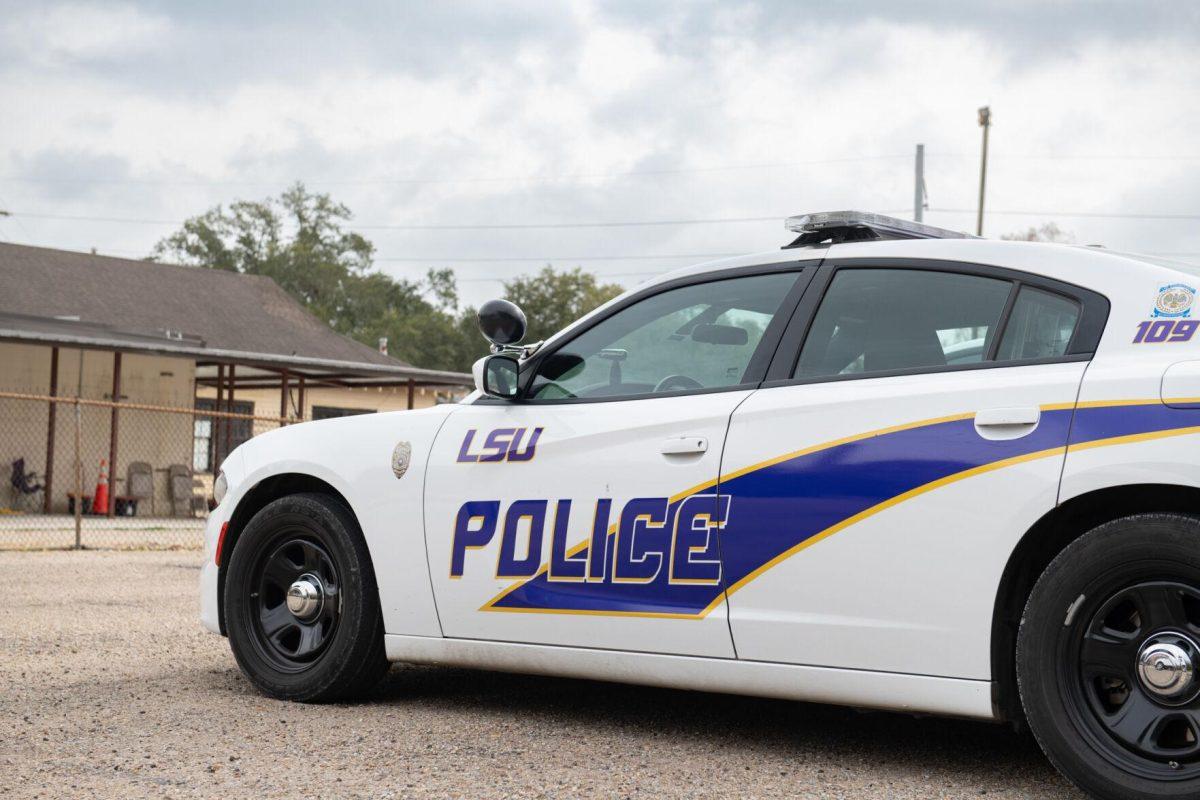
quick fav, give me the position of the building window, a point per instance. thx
(332, 412)
(210, 434)
(202, 429)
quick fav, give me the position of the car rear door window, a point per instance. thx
(880, 320)
(1040, 326)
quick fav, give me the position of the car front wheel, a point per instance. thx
(301, 603)
(1108, 655)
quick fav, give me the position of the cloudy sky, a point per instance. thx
(121, 119)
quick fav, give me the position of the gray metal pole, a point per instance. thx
(79, 459)
(919, 186)
(78, 481)
(985, 122)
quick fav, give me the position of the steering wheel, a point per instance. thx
(677, 382)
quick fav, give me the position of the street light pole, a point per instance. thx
(919, 186)
(985, 122)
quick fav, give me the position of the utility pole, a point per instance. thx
(985, 122)
(919, 186)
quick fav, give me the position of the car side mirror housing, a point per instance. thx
(502, 323)
(496, 376)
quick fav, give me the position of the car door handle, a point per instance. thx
(1007, 423)
(1023, 415)
(684, 446)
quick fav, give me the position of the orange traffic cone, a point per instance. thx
(100, 497)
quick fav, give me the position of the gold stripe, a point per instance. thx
(1136, 437)
(1115, 440)
(858, 437)
(593, 612)
(542, 570)
(875, 509)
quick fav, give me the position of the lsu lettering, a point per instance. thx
(502, 444)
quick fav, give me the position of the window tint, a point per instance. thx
(694, 337)
(1040, 326)
(874, 320)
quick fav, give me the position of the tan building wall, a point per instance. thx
(154, 437)
(366, 398)
(158, 438)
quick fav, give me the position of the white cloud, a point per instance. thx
(167, 137)
(54, 34)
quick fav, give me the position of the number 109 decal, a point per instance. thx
(1165, 330)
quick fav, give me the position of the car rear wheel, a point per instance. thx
(1108, 659)
(301, 603)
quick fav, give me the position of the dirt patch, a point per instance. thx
(109, 688)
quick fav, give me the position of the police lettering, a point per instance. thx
(651, 540)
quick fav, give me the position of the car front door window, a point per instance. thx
(695, 337)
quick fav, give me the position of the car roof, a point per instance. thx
(1108, 272)
(1095, 268)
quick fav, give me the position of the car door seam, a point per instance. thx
(720, 544)
(424, 526)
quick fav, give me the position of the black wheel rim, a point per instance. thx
(1118, 690)
(293, 640)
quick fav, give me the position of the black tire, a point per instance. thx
(1109, 599)
(332, 652)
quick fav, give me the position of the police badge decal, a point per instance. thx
(401, 456)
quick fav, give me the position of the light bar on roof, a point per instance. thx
(887, 227)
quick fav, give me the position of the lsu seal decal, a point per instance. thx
(1174, 300)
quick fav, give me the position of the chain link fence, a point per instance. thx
(96, 473)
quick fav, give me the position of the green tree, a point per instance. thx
(552, 299)
(299, 240)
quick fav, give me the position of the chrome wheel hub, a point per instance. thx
(1166, 667)
(305, 596)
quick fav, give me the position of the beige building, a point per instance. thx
(174, 365)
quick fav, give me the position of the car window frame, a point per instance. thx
(1093, 315)
(760, 361)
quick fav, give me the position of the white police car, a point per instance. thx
(886, 466)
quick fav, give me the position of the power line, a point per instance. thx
(1094, 214)
(579, 175)
(596, 274)
(544, 259)
(490, 259)
(545, 225)
(84, 218)
(434, 227)
(485, 226)
(1053, 157)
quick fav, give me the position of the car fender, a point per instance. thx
(354, 456)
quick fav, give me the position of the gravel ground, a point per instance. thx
(109, 688)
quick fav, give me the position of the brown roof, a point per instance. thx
(211, 309)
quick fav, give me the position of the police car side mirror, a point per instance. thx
(496, 376)
(502, 323)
